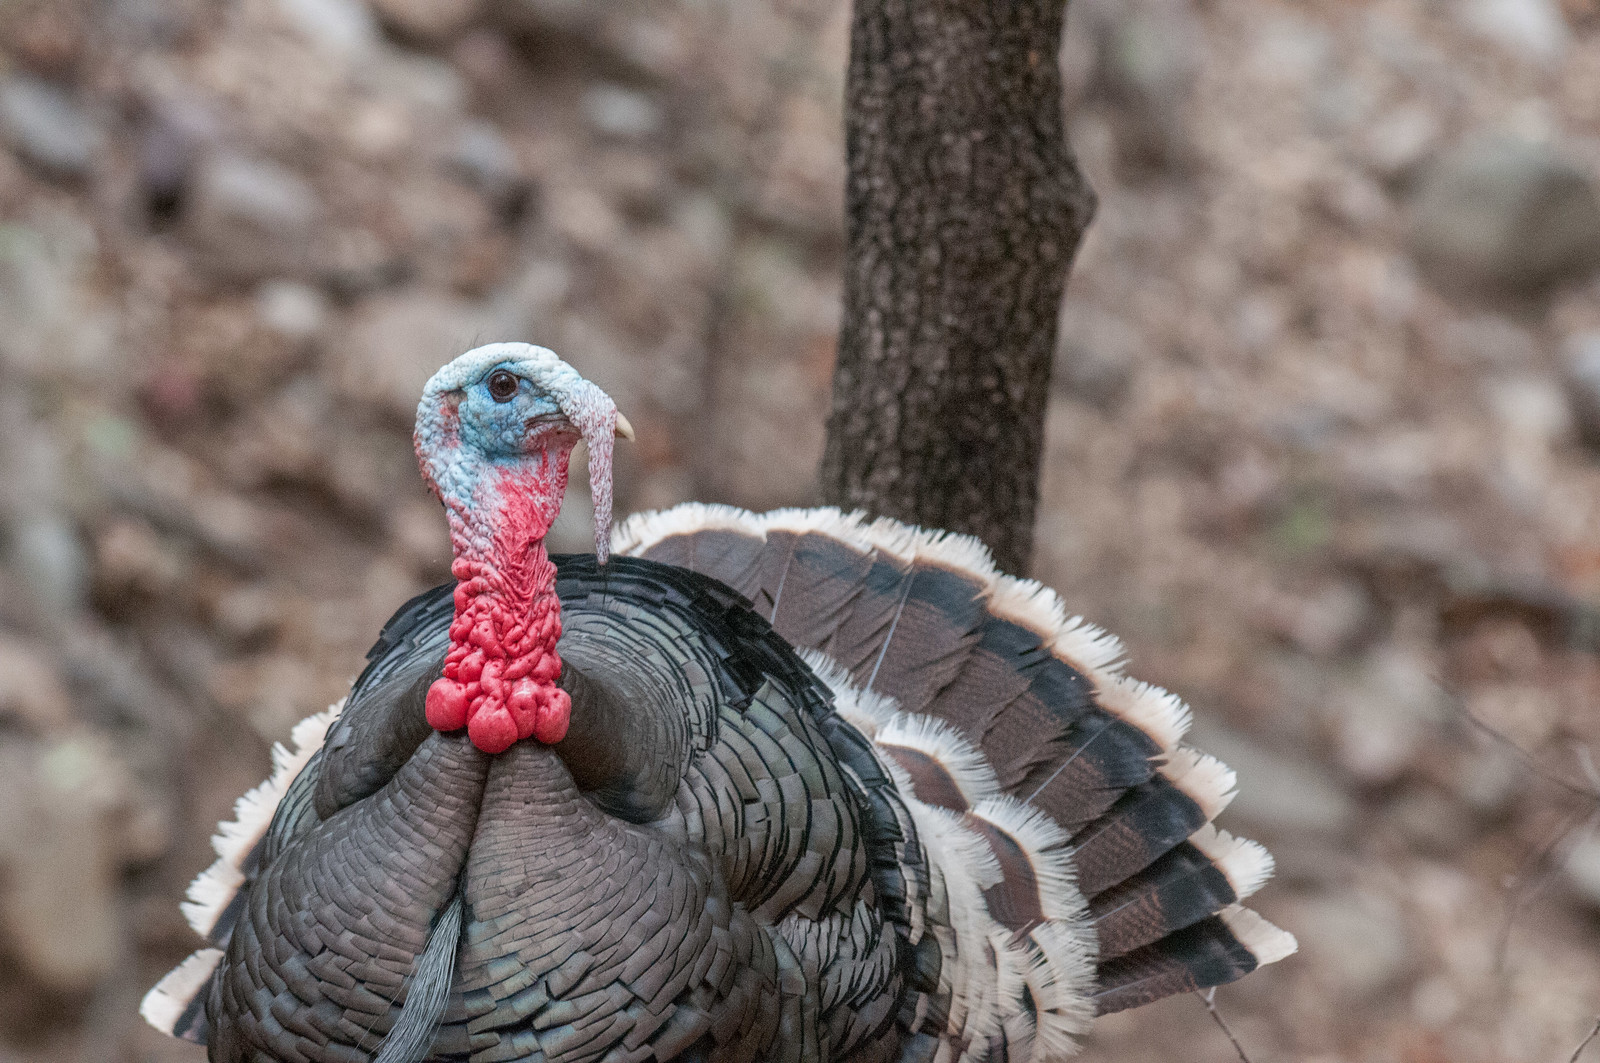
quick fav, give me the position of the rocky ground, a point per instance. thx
(1324, 442)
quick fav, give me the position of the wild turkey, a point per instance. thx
(799, 787)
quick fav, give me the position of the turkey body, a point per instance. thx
(832, 791)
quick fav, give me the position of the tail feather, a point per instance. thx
(1178, 890)
(1266, 942)
(1018, 950)
(1215, 951)
(824, 591)
(1149, 819)
(1246, 864)
(176, 1004)
(1197, 957)
(1145, 822)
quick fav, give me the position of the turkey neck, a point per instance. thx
(500, 673)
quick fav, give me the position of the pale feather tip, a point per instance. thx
(1266, 942)
(212, 890)
(1246, 864)
(1207, 781)
(166, 1002)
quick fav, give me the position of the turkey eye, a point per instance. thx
(502, 385)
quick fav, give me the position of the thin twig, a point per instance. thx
(1594, 1031)
(1208, 998)
(1528, 759)
(1526, 885)
(1586, 762)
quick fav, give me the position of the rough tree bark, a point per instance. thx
(963, 210)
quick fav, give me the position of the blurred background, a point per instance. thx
(1324, 437)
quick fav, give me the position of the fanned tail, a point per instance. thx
(1069, 829)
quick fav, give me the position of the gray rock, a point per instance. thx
(621, 112)
(428, 21)
(482, 156)
(1581, 375)
(1361, 939)
(46, 550)
(31, 691)
(1098, 374)
(294, 311)
(1280, 795)
(1431, 821)
(252, 218)
(1148, 63)
(421, 81)
(351, 261)
(705, 222)
(1293, 50)
(1399, 141)
(58, 914)
(1505, 215)
(576, 17)
(1489, 780)
(47, 127)
(342, 28)
(54, 319)
(1534, 30)
(397, 341)
(1328, 622)
(172, 141)
(1531, 407)
(1382, 722)
(1582, 868)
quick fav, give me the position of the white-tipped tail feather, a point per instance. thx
(1158, 713)
(214, 887)
(165, 1004)
(642, 529)
(1246, 864)
(865, 710)
(1050, 860)
(1210, 783)
(1060, 977)
(1266, 942)
(1026, 987)
(966, 765)
(961, 867)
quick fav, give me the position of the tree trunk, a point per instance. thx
(963, 210)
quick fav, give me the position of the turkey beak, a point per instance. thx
(624, 430)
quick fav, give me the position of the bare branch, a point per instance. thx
(1586, 762)
(1594, 1031)
(1527, 885)
(1208, 998)
(1590, 794)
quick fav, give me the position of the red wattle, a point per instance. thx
(447, 705)
(553, 717)
(502, 667)
(492, 729)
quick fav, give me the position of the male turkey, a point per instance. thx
(790, 787)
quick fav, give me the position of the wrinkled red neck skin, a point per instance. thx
(500, 675)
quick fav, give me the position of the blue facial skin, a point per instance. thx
(486, 432)
(505, 430)
(462, 432)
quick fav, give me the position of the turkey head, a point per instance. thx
(495, 432)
